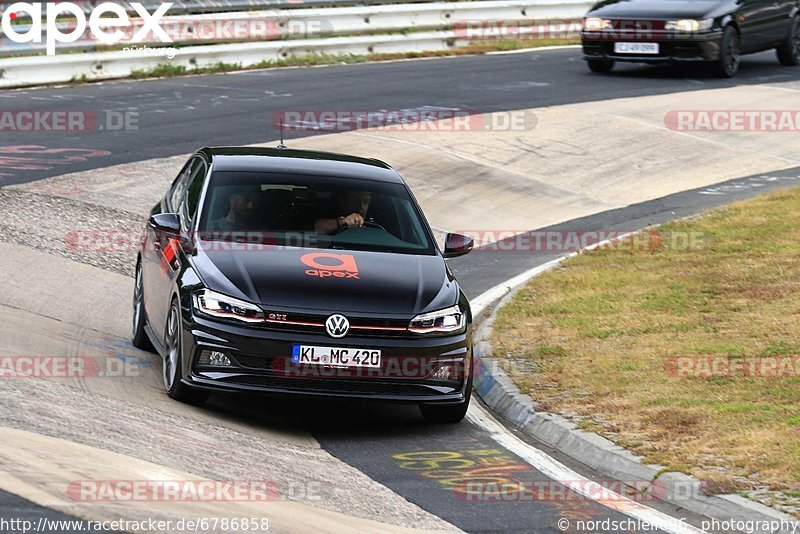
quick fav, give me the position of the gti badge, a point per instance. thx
(337, 325)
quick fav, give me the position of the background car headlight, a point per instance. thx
(595, 24)
(214, 304)
(689, 25)
(448, 321)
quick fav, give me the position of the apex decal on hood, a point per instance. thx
(326, 265)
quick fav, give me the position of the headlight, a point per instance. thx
(449, 320)
(595, 24)
(689, 25)
(211, 303)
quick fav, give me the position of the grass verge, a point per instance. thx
(686, 356)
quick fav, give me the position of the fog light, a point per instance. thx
(446, 371)
(215, 358)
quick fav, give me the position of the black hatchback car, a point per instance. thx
(714, 31)
(303, 273)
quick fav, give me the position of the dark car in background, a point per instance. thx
(302, 273)
(715, 31)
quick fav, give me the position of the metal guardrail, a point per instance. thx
(184, 8)
(267, 25)
(192, 7)
(354, 30)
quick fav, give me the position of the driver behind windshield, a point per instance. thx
(348, 210)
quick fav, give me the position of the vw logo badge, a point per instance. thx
(337, 325)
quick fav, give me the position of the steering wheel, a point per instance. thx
(372, 224)
(366, 224)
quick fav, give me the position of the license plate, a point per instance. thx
(341, 356)
(636, 48)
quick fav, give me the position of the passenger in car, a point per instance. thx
(243, 211)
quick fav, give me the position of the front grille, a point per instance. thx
(282, 367)
(335, 386)
(315, 324)
(634, 26)
(393, 369)
(262, 363)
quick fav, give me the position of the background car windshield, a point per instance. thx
(291, 210)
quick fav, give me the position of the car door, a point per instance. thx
(779, 22)
(173, 256)
(156, 264)
(753, 18)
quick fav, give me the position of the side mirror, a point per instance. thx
(167, 223)
(456, 245)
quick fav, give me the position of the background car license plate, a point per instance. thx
(349, 357)
(636, 48)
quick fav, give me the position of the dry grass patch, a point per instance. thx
(600, 337)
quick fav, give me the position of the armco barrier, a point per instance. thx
(38, 70)
(316, 23)
(352, 30)
(217, 6)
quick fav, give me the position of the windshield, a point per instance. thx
(313, 212)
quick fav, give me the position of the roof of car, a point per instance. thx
(290, 161)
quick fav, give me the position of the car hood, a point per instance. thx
(654, 9)
(279, 278)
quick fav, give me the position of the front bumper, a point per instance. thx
(703, 46)
(262, 363)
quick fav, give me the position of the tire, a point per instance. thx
(138, 335)
(172, 364)
(789, 49)
(602, 66)
(447, 413)
(729, 55)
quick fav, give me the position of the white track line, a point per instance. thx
(550, 466)
(577, 483)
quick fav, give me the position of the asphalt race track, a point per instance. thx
(176, 116)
